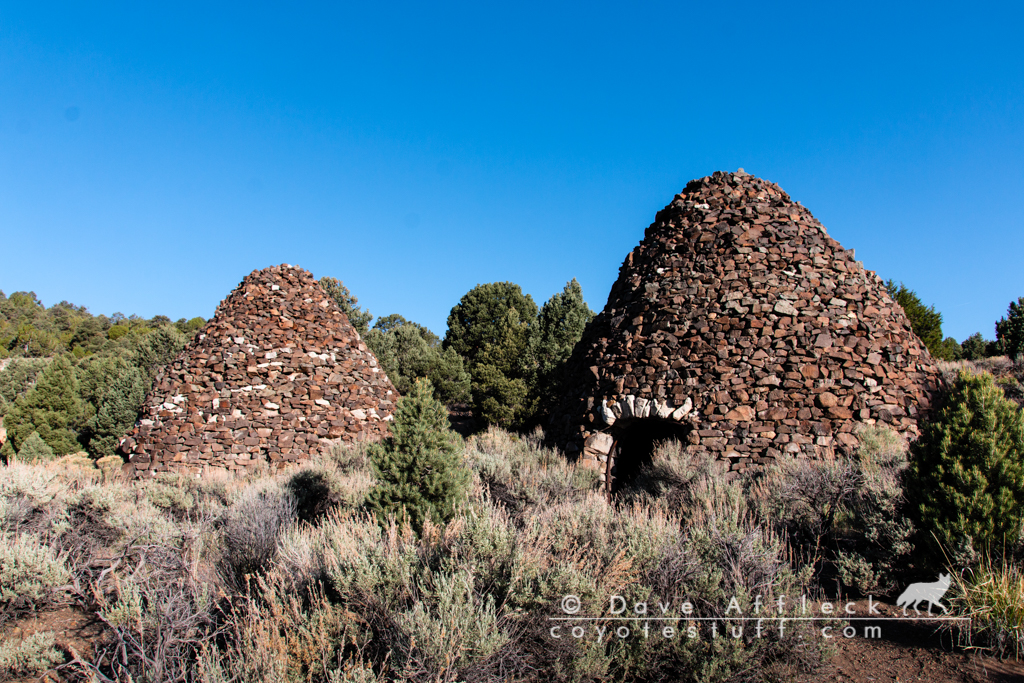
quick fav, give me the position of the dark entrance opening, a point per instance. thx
(635, 444)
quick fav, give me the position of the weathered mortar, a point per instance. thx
(278, 374)
(741, 322)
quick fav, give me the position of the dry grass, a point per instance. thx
(992, 596)
(286, 577)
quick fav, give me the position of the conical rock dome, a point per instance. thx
(278, 374)
(739, 326)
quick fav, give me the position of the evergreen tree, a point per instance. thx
(974, 347)
(1010, 330)
(949, 349)
(504, 375)
(52, 408)
(18, 377)
(35, 450)
(189, 327)
(408, 351)
(924, 320)
(966, 480)
(493, 328)
(117, 412)
(561, 323)
(348, 303)
(152, 351)
(419, 468)
(448, 373)
(7, 454)
(477, 318)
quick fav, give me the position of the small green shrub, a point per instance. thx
(30, 656)
(966, 479)
(419, 468)
(171, 497)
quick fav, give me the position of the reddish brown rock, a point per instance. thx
(277, 375)
(827, 400)
(745, 330)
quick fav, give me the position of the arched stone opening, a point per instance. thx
(635, 444)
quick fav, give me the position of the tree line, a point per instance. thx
(72, 381)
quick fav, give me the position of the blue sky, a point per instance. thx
(150, 158)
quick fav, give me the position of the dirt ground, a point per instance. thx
(916, 650)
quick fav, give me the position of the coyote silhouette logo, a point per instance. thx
(931, 593)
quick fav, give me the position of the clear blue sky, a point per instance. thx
(151, 158)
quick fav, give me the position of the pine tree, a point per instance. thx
(419, 468)
(493, 327)
(117, 413)
(1010, 330)
(966, 480)
(974, 347)
(408, 351)
(152, 351)
(52, 408)
(35, 450)
(924, 320)
(348, 303)
(561, 323)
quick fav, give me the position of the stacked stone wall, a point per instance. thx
(277, 375)
(739, 318)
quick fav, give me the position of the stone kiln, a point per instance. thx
(277, 375)
(740, 327)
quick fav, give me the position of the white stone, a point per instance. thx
(271, 406)
(642, 407)
(785, 308)
(271, 354)
(663, 409)
(600, 443)
(323, 402)
(683, 410)
(359, 414)
(629, 406)
(606, 413)
(275, 287)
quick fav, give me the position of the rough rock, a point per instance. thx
(276, 376)
(751, 329)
